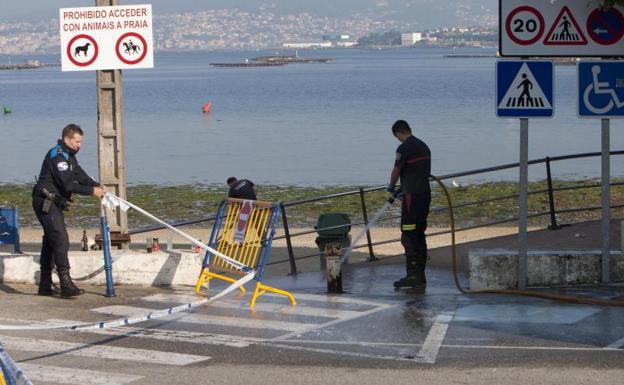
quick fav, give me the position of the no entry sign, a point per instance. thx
(560, 28)
(104, 38)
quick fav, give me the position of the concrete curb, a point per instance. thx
(496, 268)
(163, 268)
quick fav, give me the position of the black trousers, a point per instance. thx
(55, 239)
(414, 212)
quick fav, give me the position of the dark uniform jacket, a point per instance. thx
(242, 189)
(413, 159)
(61, 175)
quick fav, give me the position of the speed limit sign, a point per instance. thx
(524, 25)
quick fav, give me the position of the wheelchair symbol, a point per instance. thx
(600, 88)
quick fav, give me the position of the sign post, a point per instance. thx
(524, 89)
(600, 90)
(108, 38)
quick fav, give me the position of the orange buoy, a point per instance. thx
(207, 107)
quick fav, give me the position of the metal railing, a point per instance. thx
(551, 212)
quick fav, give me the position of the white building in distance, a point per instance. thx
(410, 38)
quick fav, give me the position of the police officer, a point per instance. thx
(413, 167)
(60, 177)
(241, 189)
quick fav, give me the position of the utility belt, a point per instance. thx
(50, 198)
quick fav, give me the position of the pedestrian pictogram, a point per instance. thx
(605, 26)
(82, 50)
(524, 89)
(601, 89)
(525, 25)
(131, 48)
(565, 30)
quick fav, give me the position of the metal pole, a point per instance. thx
(606, 180)
(551, 198)
(106, 247)
(523, 203)
(371, 254)
(291, 254)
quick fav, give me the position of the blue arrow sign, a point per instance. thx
(600, 89)
(524, 89)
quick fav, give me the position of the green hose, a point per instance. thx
(526, 293)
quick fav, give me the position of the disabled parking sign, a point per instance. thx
(600, 89)
(524, 89)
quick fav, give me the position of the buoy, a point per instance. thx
(207, 107)
(7, 110)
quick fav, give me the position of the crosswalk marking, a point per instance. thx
(178, 336)
(100, 351)
(64, 375)
(260, 306)
(207, 319)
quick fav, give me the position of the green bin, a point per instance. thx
(333, 235)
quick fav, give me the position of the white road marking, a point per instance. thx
(332, 323)
(64, 375)
(179, 336)
(46, 347)
(429, 351)
(616, 345)
(206, 319)
(286, 308)
(341, 352)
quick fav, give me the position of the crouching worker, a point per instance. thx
(60, 177)
(413, 167)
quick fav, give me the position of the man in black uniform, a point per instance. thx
(60, 177)
(241, 189)
(413, 167)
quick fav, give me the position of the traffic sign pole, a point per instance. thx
(606, 180)
(523, 203)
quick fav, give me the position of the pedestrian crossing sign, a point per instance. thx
(565, 30)
(524, 89)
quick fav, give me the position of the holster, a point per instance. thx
(50, 198)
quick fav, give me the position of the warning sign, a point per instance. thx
(565, 30)
(101, 38)
(243, 218)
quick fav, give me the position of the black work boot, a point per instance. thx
(415, 277)
(68, 289)
(45, 284)
(411, 281)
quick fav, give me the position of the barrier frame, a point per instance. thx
(225, 217)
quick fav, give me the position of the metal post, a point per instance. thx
(371, 254)
(291, 254)
(551, 198)
(106, 247)
(523, 203)
(111, 153)
(606, 180)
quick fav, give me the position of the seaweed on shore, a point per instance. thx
(193, 202)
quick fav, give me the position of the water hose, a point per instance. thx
(525, 293)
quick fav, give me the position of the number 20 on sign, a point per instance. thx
(525, 25)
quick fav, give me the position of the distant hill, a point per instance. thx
(424, 13)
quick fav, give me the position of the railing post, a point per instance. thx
(371, 254)
(551, 198)
(291, 254)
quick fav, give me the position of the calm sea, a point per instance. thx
(307, 124)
